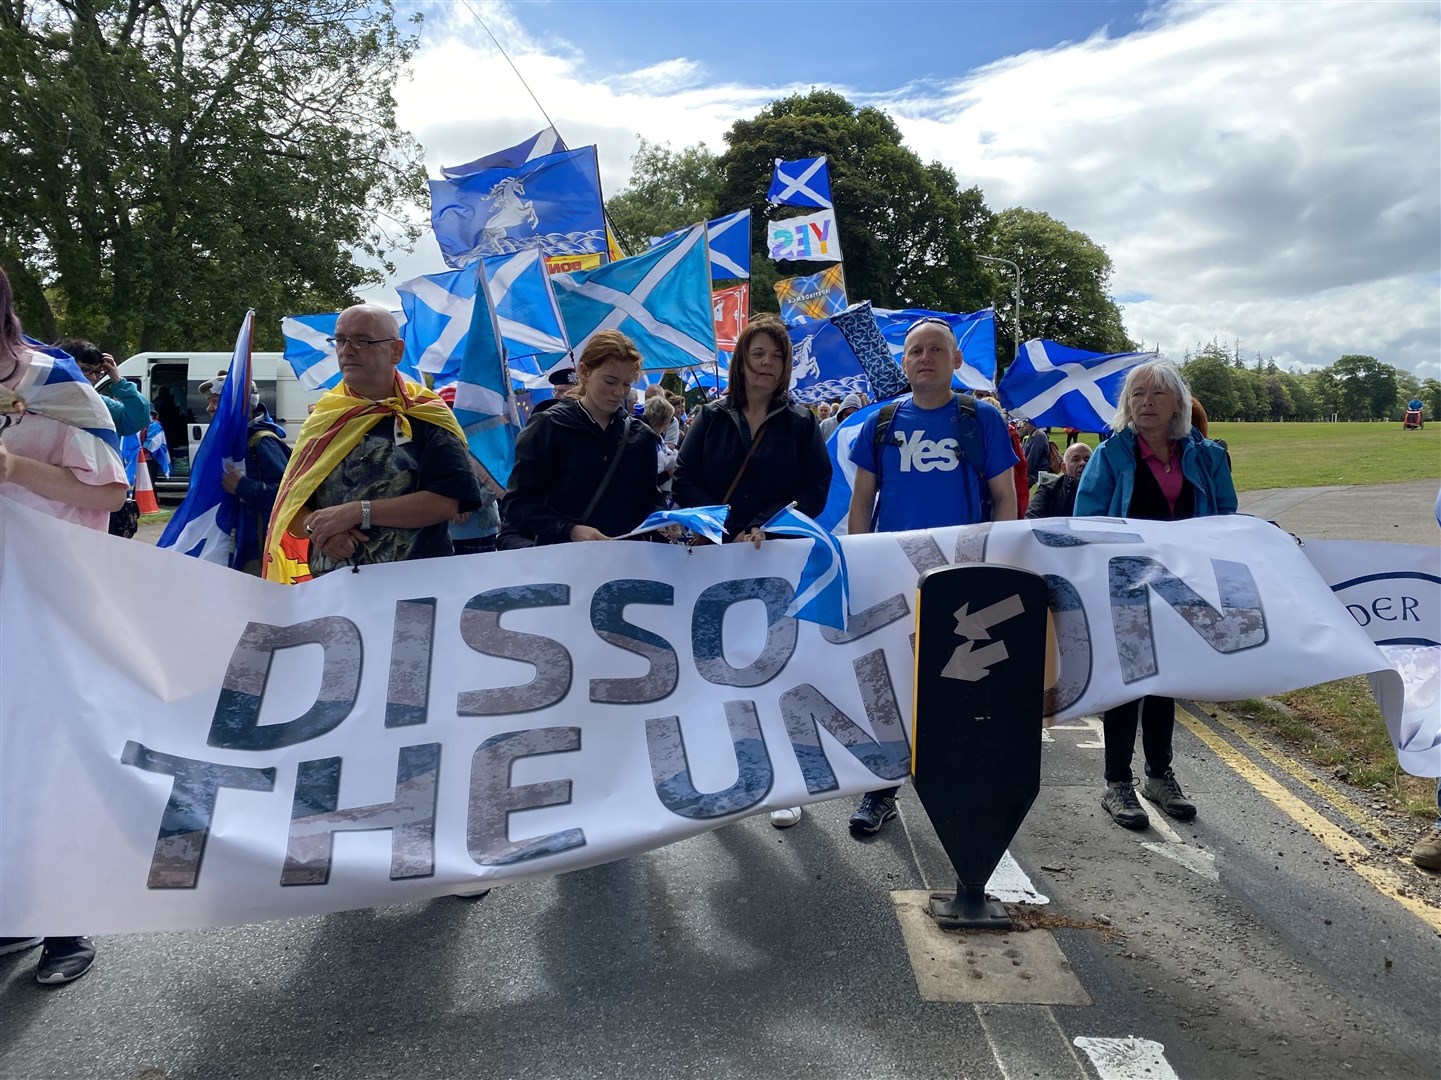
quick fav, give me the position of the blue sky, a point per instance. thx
(1265, 173)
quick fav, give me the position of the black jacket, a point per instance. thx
(791, 465)
(561, 457)
(1055, 497)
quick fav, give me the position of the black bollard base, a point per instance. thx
(969, 909)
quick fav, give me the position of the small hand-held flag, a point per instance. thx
(823, 594)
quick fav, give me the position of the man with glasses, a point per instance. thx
(380, 467)
(926, 461)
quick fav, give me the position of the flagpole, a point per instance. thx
(1017, 270)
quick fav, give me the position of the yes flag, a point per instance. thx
(1055, 386)
(729, 238)
(975, 336)
(512, 157)
(823, 593)
(801, 183)
(205, 525)
(661, 300)
(484, 401)
(813, 238)
(552, 203)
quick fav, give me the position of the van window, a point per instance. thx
(169, 396)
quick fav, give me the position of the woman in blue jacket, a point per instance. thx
(1158, 468)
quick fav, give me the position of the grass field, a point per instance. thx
(1320, 455)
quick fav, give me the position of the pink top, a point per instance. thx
(1167, 475)
(42, 439)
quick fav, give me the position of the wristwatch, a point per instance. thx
(364, 515)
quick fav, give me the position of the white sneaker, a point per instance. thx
(784, 819)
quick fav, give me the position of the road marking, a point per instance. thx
(1011, 885)
(1090, 724)
(1128, 1059)
(1335, 839)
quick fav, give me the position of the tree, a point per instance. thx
(1065, 276)
(1367, 387)
(1209, 375)
(187, 159)
(1431, 395)
(909, 234)
(1280, 404)
(668, 190)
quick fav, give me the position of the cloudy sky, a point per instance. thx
(1268, 172)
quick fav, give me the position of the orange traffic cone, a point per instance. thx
(144, 489)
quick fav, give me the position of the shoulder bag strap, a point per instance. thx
(609, 472)
(726, 498)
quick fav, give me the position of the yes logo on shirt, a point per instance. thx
(920, 454)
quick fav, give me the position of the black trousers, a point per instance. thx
(1157, 717)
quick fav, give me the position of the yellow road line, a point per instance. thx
(1334, 838)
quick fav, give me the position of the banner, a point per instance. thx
(417, 729)
(565, 264)
(813, 237)
(731, 309)
(813, 297)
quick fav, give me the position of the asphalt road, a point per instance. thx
(1279, 934)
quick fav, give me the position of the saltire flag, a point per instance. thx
(205, 525)
(823, 593)
(512, 157)
(309, 354)
(1056, 386)
(153, 440)
(714, 378)
(525, 305)
(810, 238)
(806, 182)
(661, 300)
(975, 336)
(552, 203)
(815, 296)
(729, 238)
(54, 386)
(485, 404)
(730, 309)
(706, 521)
(843, 470)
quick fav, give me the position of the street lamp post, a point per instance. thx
(1017, 271)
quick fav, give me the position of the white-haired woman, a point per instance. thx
(1155, 467)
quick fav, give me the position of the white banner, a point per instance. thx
(812, 237)
(183, 746)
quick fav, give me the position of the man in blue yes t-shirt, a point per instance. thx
(923, 477)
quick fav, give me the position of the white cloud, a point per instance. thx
(1263, 171)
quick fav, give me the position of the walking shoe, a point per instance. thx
(1125, 809)
(1427, 852)
(10, 945)
(64, 960)
(784, 819)
(1165, 792)
(875, 810)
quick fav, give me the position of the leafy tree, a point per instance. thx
(1280, 402)
(1209, 375)
(1065, 276)
(186, 159)
(1408, 387)
(908, 232)
(1431, 395)
(1325, 393)
(1367, 387)
(668, 190)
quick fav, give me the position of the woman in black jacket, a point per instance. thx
(567, 484)
(753, 450)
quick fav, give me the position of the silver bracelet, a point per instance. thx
(364, 515)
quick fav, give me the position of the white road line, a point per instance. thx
(1091, 724)
(1010, 884)
(1128, 1059)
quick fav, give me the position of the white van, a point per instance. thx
(171, 381)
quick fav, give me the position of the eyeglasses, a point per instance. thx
(360, 343)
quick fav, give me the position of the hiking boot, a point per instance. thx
(10, 945)
(1165, 792)
(64, 959)
(1427, 852)
(875, 810)
(784, 819)
(1125, 809)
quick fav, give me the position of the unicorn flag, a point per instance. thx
(801, 183)
(512, 157)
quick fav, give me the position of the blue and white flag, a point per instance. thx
(512, 157)
(975, 336)
(706, 521)
(823, 594)
(153, 439)
(438, 310)
(823, 365)
(485, 404)
(1053, 385)
(843, 469)
(205, 525)
(54, 386)
(801, 183)
(309, 354)
(714, 379)
(729, 239)
(661, 300)
(525, 305)
(552, 203)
